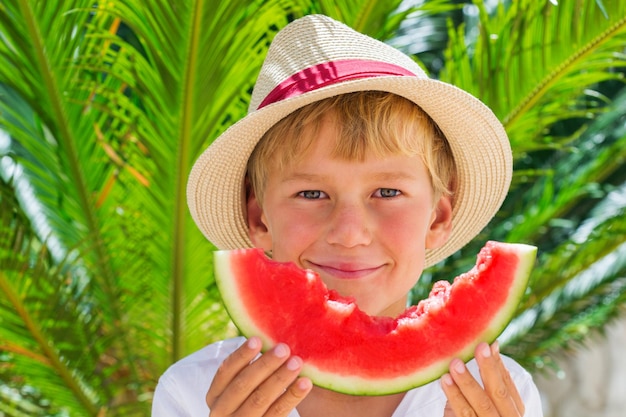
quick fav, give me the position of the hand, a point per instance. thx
(266, 386)
(498, 398)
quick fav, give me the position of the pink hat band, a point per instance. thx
(329, 73)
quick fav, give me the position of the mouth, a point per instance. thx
(346, 271)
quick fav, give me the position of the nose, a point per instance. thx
(349, 225)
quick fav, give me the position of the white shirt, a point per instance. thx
(182, 388)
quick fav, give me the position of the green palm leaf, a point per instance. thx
(593, 293)
(45, 321)
(49, 115)
(534, 63)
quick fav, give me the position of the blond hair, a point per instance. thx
(371, 123)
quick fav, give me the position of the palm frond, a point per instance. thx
(51, 111)
(23, 403)
(567, 178)
(517, 63)
(40, 304)
(581, 305)
(375, 18)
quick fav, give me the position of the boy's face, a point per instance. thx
(363, 226)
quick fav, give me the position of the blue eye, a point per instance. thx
(311, 194)
(388, 192)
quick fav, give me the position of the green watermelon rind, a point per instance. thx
(231, 298)
(357, 385)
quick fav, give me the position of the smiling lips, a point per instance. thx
(346, 271)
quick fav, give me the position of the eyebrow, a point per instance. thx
(302, 176)
(379, 176)
(393, 175)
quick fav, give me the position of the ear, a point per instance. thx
(257, 227)
(441, 223)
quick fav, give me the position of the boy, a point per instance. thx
(350, 162)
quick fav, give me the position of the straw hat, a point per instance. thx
(314, 58)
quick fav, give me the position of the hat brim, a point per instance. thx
(215, 190)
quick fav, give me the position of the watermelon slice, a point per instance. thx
(348, 351)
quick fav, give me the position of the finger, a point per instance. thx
(478, 401)
(492, 372)
(277, 394)
(231, 366)
(457, 404)
(448, 411)
(249, 379)
(291, 398)
(506, 375)
(294, 394)
(242, 384)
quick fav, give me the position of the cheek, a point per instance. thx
(291, 234)
(406, 227)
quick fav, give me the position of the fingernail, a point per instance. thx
(281, 350)
(496, 348)
(485, 350)
(304, 384)
(254, 343)
(294, 363)
(459, 366)
(447, 379)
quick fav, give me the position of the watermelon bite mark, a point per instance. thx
(346, 350)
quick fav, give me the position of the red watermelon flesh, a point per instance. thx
(346, 350)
